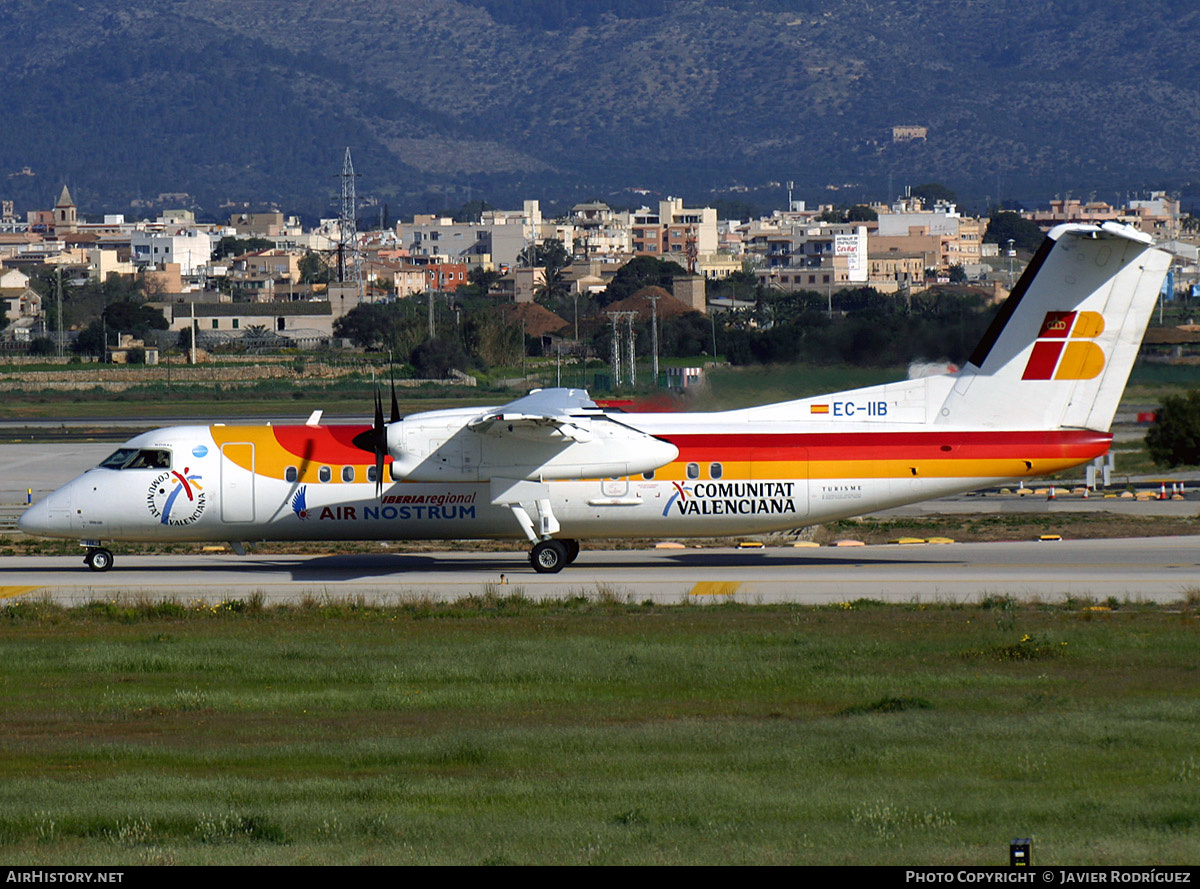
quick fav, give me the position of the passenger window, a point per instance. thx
(347, 474)
(648, 476)
(324, 474)
(290, 474)
(371, 474)
(715, 470)
(693, 470)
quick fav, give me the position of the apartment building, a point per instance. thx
(190, 248)
(600, 231)
(496, 240)
(672, 230)
(942, 235)
(822, 257)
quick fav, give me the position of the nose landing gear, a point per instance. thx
(98, 558)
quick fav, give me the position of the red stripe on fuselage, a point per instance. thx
(330, 444)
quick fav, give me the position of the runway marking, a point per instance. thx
(716, 588)
(11, 592)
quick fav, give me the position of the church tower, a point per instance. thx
(64, 214)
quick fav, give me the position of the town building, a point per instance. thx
(23, 316)
(190, 248)
(673, 231)
(825, 257)
(305, 323)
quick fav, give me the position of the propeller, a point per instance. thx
(395, 405)
(379, 440)
(375, 438)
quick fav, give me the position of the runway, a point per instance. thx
(1163, 569)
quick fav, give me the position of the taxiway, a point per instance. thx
(1161, 569)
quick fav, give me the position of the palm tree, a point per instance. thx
(554, 286)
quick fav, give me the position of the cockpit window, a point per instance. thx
(151, 458)
(119, 458)
(133, 458)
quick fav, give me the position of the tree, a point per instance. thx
(932, 192)
(90, 340)
(393, 326)
(42, 345)
(1012, 226)
(857, 213)
(435, 358)
(482, 279)
(491, 340)
(131, 317)
(1174, 436)
(231, 246)
(550, 255)
(313, 269)
(861, 213)
(639, 272)
(553, 288)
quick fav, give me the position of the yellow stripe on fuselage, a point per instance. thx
(818, 469)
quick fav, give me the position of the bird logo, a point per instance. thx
(300, 502)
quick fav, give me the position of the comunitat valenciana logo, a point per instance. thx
(176, 498)
(1064, 349)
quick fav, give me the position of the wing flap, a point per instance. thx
(543, 415)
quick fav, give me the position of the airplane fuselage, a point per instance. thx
(215, 483)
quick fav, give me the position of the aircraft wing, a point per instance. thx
(545, 414)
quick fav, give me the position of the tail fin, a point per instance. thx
(1060, 350)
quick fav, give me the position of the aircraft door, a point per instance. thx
(471, 455)
(788, 467)
(237, 482)
(615, 486)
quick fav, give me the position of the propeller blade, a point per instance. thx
(380, 443)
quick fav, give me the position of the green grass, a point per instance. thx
(499, 730)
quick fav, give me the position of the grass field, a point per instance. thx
(500, 730)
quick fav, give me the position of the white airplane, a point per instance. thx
(1037, 396)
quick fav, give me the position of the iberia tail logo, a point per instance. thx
(1064, 349)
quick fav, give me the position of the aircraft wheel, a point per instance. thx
(548, 557)
(572, 550)
(99, 559)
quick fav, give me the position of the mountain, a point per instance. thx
(446, 101)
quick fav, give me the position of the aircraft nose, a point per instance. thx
(35, 519)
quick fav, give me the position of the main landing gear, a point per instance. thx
(98, 558)
(551, 556)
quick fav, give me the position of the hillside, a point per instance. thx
(449, 100)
